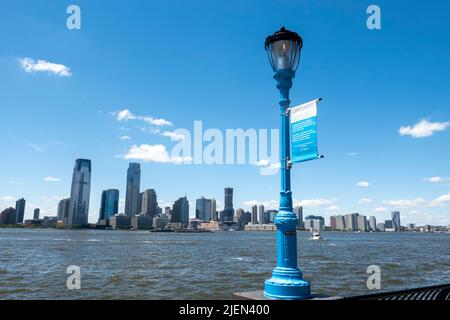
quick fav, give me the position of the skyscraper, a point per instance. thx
(214, 210)
(261, 214)
(80, 194)
(36, 213)
(180, 212)
(133, 190)
(299, 213)
(333, 222)
(340, 223)
(228, 210)
(395, 216)
(20, 210)
(203, 209)
(109, 205)
(254, 217)
(373, 223)
(149, 203)
(361, 223)
(63, 210)
(351, 222)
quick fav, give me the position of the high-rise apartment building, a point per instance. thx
(80, 194)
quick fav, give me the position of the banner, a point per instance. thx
(303, 119)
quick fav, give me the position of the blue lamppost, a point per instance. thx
(283, 49)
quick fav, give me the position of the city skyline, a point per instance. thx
(384, 142)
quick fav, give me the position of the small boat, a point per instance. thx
(316, 235)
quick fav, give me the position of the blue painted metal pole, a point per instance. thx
(287, 281)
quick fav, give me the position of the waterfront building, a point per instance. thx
(299, 213)
(180, 212)
(149, 203)
(240, 218)
(210, 226)
(254, 217)
(380, 226)
(261, 214)
(351, 222)
(270, 216)
(36, 214)
(20, 210)
(214, 210)
(8, 216)
(141, 221)
(340, 223)
(49, 222)
(372, 224)
(203, 209)
(395, 216)
(228, 211)
(333, 222)
(161, 222)
(63, 209)
(120, 221)
(362, 223)
(260, 227)
(109, 205)
(80, 194)
(314, 222)
(388, 224)
(411, 226)
(132, 195)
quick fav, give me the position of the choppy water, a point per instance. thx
(144, 265)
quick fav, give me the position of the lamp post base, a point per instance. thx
(287, 284)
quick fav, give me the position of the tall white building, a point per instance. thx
(261, 214)
(80, 194)
(149, 203)
(299, 213)
(395, 217)
(132, 196)
(372, 223)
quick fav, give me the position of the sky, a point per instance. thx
(117, 89)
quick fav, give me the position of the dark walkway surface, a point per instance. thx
(440, 292)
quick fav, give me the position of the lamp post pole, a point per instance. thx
(287, 281)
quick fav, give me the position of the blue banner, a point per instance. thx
(303, 121)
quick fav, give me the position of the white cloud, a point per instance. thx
(29, 65)
(124, 138)
(36, 147)
(423, 129)
(380, 209)
(154, 153)
(8, 198)
(406, 203)
(437, 179)
(365, 200)
(51, 179)
(351, 154)
(441, 200)
(332, 208)
(363, 184)
(251, 203)
(173, 135)
(125, 115)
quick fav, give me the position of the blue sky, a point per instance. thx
(204, 60)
